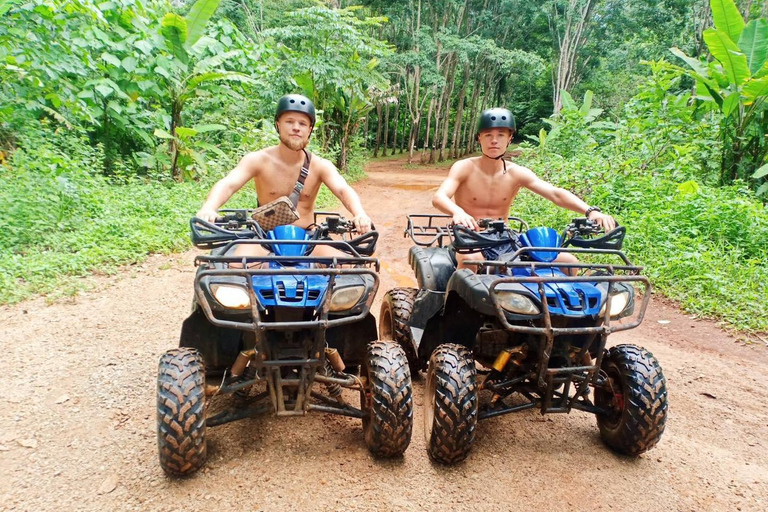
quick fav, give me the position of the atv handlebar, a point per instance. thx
(426, 229)
(583, 233)
(237, 224)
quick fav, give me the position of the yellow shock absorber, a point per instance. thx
(502, 359)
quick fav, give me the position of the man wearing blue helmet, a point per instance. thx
(275, 170)
(485, 186)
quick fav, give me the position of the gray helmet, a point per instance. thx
(496, 118)
(295, 103)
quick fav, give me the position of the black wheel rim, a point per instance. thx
(611, 397)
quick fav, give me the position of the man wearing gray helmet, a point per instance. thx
(275, 170)
(485, 186)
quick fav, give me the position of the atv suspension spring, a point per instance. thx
(333, 389)
(248, 374)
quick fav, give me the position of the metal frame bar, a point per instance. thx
(418, 232)
(545, 376)
(306, 368)
(257, 324)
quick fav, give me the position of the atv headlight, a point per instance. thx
(344, 298)
(619, 301)
(516, 303)
(229, 296)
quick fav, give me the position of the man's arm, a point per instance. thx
(442, 200)
(336, 183)
(563, 198)
(228, 185)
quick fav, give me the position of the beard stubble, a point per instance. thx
(293, 143)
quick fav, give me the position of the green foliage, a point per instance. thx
(575, 128)
(736, 85)
(702, 245)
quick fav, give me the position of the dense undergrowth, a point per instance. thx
(64, 220)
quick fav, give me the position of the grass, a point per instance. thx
(64, 223)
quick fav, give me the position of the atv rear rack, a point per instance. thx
(438, 228)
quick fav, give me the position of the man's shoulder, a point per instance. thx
(317, 159)
(320, 164)
(465, 164)
(258, 157)
(519, 170)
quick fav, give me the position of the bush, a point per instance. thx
(702, 246)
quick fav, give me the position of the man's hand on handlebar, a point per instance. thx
(607, 222)
(207, 215)
(362, 223)
(464, 219)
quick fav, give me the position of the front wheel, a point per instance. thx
(635, 394)
(451, 401)
(395, 323)
(181, 412)
(388, 400)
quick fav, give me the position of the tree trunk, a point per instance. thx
(378, 131)
(745, 6)
(413, 105)
(702, 21)
(570, 42)
(386, 128)
(404, 138)
(447, 111)
(459, 113)
(175, 121)
(365, 133)
(397, 122)
(423, 159)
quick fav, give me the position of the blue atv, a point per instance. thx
(283, 333)
(524, 331)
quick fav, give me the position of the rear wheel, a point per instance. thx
(450, 416)
(635, 393)
(181, 411)
(388, 407)
(395, 323)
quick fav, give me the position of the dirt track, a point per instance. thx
(78, 432)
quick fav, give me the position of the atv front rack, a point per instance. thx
(289, 393)
(427, 229)
(547, 377)
(336, 266)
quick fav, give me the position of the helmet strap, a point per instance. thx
(500, 157)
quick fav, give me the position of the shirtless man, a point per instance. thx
(485, 186)
(274, 171)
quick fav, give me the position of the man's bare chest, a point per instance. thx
(274, 183)
(484, 190)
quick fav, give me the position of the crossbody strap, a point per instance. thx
(295, 195)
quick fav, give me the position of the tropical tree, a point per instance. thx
(735, 83)
(193, 65)
(333, 56)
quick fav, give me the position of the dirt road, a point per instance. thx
(78, 429)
